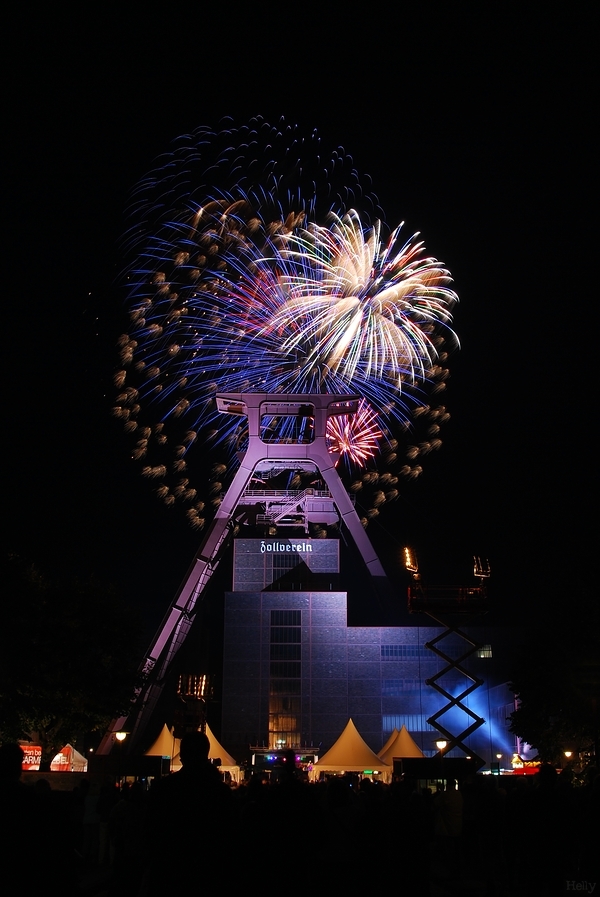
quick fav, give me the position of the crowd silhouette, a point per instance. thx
(511, 836)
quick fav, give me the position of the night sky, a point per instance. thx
(476, 131)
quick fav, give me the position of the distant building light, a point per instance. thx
(192, 686)
(410, 561)
(481, 567)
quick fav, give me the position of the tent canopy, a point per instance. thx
(69, 759)
(390, 741)
(350, 753)
(403, 745)
(168, 746)
(218, 751)
(165, 745)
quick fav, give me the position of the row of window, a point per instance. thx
(414, 722)
(286, 634)
(286, 618)
(285, 686)
(395, 688)
(285, 669)
(395, 652)
(286, 652)
(285, 704)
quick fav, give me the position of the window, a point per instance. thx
(414, 722)
(403, 652)
(395, 688)
(285, 683)
(286, 617)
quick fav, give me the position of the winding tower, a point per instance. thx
(286, 432)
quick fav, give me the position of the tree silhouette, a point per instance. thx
(556, 677)
(68, 657)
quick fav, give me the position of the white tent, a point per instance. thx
(168, 746)
(390, 740)
(218, 751)
(403, 745)
(350, 753)
(69, 760)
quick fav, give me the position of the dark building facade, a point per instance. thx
(294, 672)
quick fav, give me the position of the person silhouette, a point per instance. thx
(187, 818)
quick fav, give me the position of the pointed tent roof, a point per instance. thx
(402, 746)
(165, 745)
(350, 753)
(168, 746)
(390, 740)
(218, 751)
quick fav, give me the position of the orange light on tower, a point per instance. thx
(410, 560)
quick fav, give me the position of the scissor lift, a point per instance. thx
(443, 605)
(300, 444)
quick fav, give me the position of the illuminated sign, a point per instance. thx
(32, 756)
(280, 547)
(260, 562)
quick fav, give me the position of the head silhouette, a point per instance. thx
(11, 762)
(194, 749)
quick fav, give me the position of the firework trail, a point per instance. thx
(252, 269)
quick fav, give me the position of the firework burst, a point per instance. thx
(355, 437)
(252, 270)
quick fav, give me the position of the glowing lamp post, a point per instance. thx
(120, 739)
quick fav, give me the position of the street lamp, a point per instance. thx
(441, 745)
(120, 738)
(495, 765)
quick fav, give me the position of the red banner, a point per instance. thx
(32, 756)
